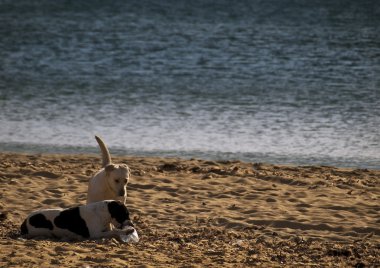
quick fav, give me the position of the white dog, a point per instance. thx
(82, 222)
(111, 181)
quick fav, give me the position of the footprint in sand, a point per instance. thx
(50, 201)
(303, 205)
(46, 174)
(55, 191)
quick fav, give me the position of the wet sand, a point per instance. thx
(196, 213)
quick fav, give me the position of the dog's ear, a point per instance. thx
(125, 166)
(110, 168)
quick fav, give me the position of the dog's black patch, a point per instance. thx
(71, 220)
(24, 228)
(39, 221)
(118, 211)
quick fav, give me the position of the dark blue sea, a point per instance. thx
(279, 81)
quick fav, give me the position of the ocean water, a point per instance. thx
(280, 81)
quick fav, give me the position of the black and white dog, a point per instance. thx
(90, 221)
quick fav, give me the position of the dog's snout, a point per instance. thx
(122, 192)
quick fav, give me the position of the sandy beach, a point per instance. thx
(197, 213)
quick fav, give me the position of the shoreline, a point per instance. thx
(270, 158)
(196, 212)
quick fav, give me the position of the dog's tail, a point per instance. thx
(106, 157)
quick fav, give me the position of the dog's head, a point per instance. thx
(118, 177)
(119, 214)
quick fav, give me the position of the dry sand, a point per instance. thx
(193, 213)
